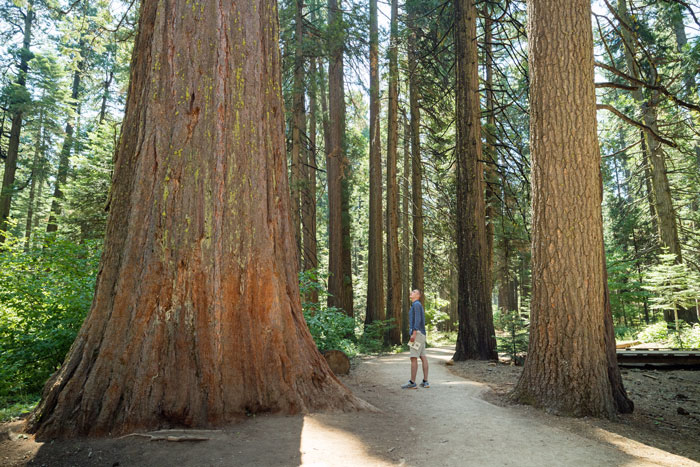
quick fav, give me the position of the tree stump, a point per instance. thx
(338, 361)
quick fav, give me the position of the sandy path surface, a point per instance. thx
(446, 425)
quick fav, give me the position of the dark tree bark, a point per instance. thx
(567, 368)
(417, 269)
(196, 319)
(393, 298)
(64, 159)
(375, 273)
(490, 174)
(37, 172)
(17, 109)
(339, 260)
(476, 336)
(405, 234)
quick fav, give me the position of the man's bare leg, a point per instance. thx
(424, 361)
(414, 368)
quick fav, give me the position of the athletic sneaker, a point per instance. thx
(409, 385)
(425, 384)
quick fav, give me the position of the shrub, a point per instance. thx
(45, 294)
(516, 338)
(657, 332)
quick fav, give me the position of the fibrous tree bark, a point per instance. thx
(17, 109)
(490, 174)
(567, 368)
(405, 233)
(393, 297)
(196, 319)
(309, 167)
(476, 335)
(298, 123)
(339, 259)
(417, 269)
(375, 267)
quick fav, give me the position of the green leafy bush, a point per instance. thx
(329, 326)
(657, 332)
(45, 294)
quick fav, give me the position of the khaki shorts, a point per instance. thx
(420, 338)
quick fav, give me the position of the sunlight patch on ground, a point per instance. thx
(640, 451)
(322, 445)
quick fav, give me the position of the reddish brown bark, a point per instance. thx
(393, 293)
(417, 269)
(298, 125)
(375, 269)
(308, 214)
(196, 319)
(566, 369)
(339, 260)
(476, 335)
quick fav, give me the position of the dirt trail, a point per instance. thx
(448, 424)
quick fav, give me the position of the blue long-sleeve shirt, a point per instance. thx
(416, 317)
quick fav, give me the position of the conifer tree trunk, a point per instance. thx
(405, 248)
(339, 260)
(476, 335)
(663, 203)
(417, 269)
(490, 174)
(393, 299)
(196, 319)
(375, 272)
(8, 177)
(567, 368)
(64, 159)
(309, 168)
(37, 167)
(299, 123)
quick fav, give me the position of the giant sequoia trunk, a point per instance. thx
(393, 294)
(17, 109)
(196, 319)
(339, 261)
(567, 365)
(375, 269)
(476, 337)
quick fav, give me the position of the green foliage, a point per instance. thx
(329, 326)
(657, 332)
(515, 338)
(45, 294)
(434, 314)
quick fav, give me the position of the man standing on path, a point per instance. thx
(416, 325)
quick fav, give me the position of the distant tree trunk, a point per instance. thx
(64, 159)
(309, 168)
(647, 182)
(375, 273)
(417, 269)
(37, 167)
(339, 261)
(17, 110)
(198, 268)
(476, 336)
(490, 173)
(105, 95)
(299, 123)
(663, 203)
(405, 248)
(453, 322)
(393, 300)
(567, 366)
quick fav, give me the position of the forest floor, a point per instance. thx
(461, 420)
